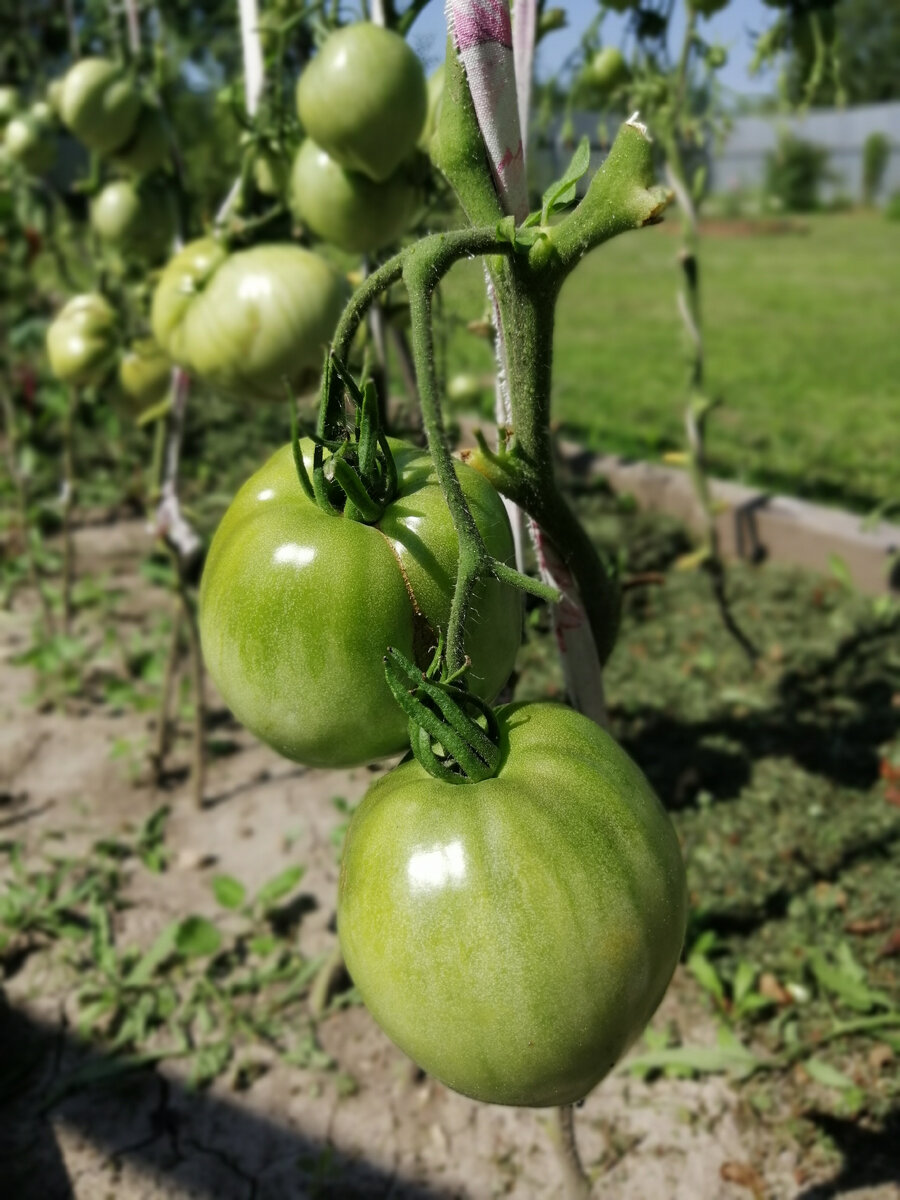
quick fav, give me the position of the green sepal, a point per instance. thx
(440, 713)
(354, 489)
(302, 473)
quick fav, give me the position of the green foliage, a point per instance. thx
(876, 152)
(797, 322)
(892, 208)
(198, 991)
(795, 171)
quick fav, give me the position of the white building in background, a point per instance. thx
(739, 163)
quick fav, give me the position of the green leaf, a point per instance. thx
(279, 887)
(705, 974)
(161, 949)
(228, 891)
(843, 982)
(830, 1076)
(744, 978)
(197, 937)
(561, 193)
(841, 572)
(729, 1057)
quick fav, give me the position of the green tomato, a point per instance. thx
(82, 340)
(515, 936)
(298, 607)
(346, 208)
(608, 69)
(148, 148)
(138, 221)
(249, 321)
(9, 103)
(363, 99)
(28, 142)
(100, 104)
(144, 374)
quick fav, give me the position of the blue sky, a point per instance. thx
(731, 28)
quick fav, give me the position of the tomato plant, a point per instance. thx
(347, 208)
(100, 104)
(298, 606)
(82, 339)
(363, 98)
(249, 320)
(514, 936)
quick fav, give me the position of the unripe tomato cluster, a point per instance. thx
(514, 935)
(101, 104)
(363, 102)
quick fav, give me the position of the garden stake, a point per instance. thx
(699, 405)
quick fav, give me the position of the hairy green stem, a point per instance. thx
(420, 279)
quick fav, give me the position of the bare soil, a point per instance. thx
(372, 1127)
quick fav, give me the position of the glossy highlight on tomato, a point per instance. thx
(515, 936)
(298, 607)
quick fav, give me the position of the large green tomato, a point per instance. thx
(298, 607)
(148, 147)
(363, 99)
(515, 936)
(28, 140)
(82, 340)
(137, 220)
(347, 208)
(247, 321)
(100, 104)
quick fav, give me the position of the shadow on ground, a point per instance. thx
(871, 1157)
(830, 717)
(177, 1140)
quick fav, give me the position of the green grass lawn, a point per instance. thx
(802, 341)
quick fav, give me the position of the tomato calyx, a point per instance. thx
(359, 478)
(453, 733)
